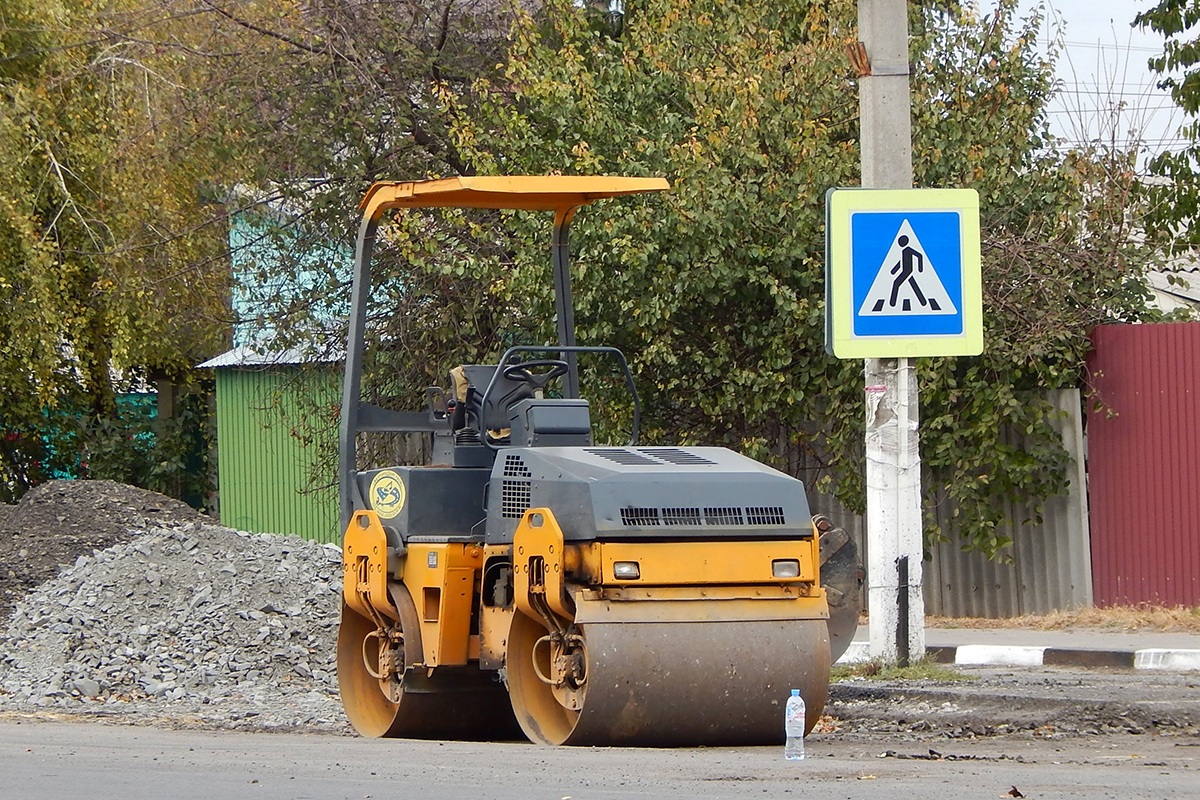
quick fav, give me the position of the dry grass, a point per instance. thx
(1182, 619)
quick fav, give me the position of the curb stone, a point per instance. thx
(1176, 660)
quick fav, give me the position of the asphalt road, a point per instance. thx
(70, 758)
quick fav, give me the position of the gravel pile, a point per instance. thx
(58, 521)
(195, 624)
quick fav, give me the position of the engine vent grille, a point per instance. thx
(640, 517)
(514, 467)
(515, 494)
(674, 455)
(723, 516)
(630, 458)
(716, 517)
(650, 456)
(764, 515)
(681, 516)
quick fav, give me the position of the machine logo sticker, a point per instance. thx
(387, 494)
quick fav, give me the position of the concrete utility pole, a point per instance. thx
(894, 542)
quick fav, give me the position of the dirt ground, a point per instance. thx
(59, 521)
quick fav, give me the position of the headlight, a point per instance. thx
(626, 570)
(785, 568)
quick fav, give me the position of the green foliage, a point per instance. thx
(1059, 257)
(140, 448)
(1175, 204)
(717, 289)
(123, 120)
(745, 110)
(109, 273)
(128, 124)
(35, 445)
(134, 445)
(1176, 21)
(321, 99)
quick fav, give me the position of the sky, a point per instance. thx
(1107, 90)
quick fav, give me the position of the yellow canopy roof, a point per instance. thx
(558, 193)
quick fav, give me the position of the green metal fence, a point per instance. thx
(273, 425)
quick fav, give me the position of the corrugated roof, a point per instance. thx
(1187, 261)
(1187, 288)
(252, 356)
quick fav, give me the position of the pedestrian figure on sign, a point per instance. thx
(903, 270)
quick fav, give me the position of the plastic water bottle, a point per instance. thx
(793, 725)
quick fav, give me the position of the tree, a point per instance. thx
(1174, 207)
(717, 289)
(315, 102)
(107, 275)
(129, 124)
(1061, 255)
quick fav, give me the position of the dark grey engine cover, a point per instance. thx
(623, 493)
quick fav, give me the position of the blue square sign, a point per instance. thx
(902, 273)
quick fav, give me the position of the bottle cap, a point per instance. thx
(795, 692)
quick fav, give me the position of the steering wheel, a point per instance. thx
(524, 371)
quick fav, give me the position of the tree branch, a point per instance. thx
(263, 31)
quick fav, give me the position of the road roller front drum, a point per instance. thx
(367, 680)
(665, 684)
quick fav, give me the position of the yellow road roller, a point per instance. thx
(528, 581)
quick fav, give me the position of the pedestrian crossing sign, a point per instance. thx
(902, 273)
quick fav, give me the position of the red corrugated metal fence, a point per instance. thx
(1143, 445)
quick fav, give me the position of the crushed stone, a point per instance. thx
(58, 521)
(189, 625)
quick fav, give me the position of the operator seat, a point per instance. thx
(469, 382)
(515, 412)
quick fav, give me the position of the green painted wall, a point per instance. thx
(263, 468)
